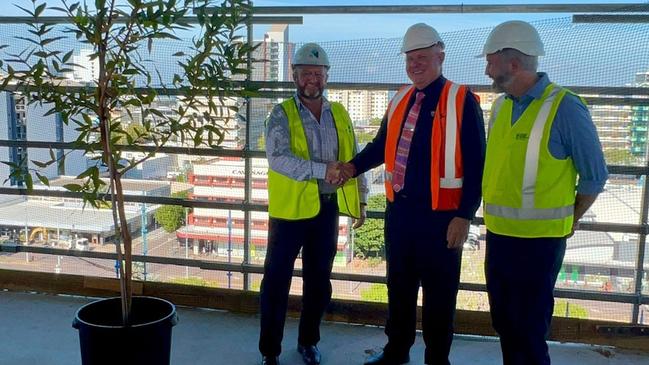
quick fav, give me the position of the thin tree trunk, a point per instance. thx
(127, 296)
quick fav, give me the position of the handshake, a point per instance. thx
(339, 172)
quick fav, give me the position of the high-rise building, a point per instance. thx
(612, 122)
(12, 127)
(362, 105)
(20, 121)
(272, 62)
(272, 55)
(639, 119)
(279, 52)
(85, 69)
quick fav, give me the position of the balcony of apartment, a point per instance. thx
(602, 307)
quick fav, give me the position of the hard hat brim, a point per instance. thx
(405, 50)
(485, 53)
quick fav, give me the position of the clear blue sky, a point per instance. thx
(344, 27)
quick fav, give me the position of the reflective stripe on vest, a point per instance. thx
(292, 199)
(531, 168)
(529, 213)
(446, 179)
(494, 110)
(451, 140)
(533, 149)
(528, 219)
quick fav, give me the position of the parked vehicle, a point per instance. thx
(82, 244)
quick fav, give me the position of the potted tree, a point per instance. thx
(121, 37)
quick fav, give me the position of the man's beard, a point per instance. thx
(311, 96)
(500, 83)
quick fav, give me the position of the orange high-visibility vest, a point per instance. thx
(446, 173)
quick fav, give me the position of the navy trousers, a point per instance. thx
(521, 273)
(415, 239)
(317, 238)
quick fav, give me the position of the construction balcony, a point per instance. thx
(55, 255)
(37, 330)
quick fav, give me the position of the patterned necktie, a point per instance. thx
(403, 148)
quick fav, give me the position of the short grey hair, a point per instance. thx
(528, 63)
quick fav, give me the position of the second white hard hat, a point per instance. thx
(515, 34)
(311, 54)
(418, 36)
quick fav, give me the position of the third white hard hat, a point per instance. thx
(418, 36)
(515, 34)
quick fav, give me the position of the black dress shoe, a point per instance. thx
(385, 359)
(310, 354)
(269, 360)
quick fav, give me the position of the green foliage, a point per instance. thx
(255, 285)
(375, 293)
(368, 239)
(195, 281)
(374, 261)
(127, 77)
(376, 121)
(171, 217)
(619, 156)
(473, 301)
(364, 137)
(121, 37)
(574, 310)
(134, 132)
(182, 178)
(261, 142)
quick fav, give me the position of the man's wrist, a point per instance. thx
(319, 170)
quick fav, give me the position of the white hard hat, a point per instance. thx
(311, 54)
(514, 34)
(418, 36)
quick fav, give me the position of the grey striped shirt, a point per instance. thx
(323, 147)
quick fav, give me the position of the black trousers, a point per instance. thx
(521, 273)
(317, 237)
(416, 252)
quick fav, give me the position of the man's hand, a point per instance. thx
(338, 172)
(348, 170)
(457, 232)
(359, 222)
(333, 175)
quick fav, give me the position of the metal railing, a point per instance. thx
(622, 96)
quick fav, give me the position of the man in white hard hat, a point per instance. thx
(306, 136)
(432, 142)
(541, 138)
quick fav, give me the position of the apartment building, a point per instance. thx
(220, 232)
(362, 105)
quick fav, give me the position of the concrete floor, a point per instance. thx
(36, 329)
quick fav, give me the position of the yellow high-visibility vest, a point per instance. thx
(291, 199)
(527, 192)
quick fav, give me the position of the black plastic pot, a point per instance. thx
(104, 340)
